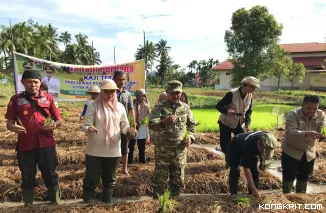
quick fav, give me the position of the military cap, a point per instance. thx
(31, 74)
(174, 86)
(27, 64)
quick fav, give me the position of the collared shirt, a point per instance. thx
(246, 145)
(53, 84)
(171, 138)
(125, 98)
(295, 142)
(33, 120)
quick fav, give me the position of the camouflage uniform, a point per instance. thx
(170, 145)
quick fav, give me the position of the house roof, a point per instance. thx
(305, 47)
(225, 65)
(310, 61)
(315, 71)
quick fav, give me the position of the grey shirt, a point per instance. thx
(125, 98)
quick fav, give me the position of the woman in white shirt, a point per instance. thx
(104, 122)
(141, 108)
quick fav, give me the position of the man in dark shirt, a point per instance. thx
(244, 150)
(27, 115)
(124, 97)
(235, 108)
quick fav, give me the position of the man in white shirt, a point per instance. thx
(52, 82)
(26, 66)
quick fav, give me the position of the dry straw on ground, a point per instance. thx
(207, 177)
(319, 174)
(191, 204)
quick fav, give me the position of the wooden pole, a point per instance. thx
(114, 55)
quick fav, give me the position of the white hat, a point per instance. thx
(108, 84)
(251, 81)
(94, 89)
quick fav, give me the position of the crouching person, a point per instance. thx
(244, 150)
(105, 119)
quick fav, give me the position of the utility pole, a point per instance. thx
(145, 53)
(114, 55)
(93, 57)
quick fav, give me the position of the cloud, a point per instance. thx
(194, 29)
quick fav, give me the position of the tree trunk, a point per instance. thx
(4, 52)
(278, 82)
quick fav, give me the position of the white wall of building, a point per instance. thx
(266, 85)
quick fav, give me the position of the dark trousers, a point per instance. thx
(46, 159)
(124, 144)
(235, 162)
(225, 135)
(97, 167)
(293, 168)
(141, 148)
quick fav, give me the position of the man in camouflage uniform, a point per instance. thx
(175, 127)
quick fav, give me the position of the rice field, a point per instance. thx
(264, 117)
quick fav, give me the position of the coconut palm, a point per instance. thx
(65, 38)
(162, 48)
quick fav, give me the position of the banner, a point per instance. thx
(70, 82)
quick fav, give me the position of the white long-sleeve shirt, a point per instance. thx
(96, 145)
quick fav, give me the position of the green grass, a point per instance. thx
(6, 91)
(262, 117)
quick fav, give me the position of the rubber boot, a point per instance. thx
(287, 186)
(28, 197)
(175, 190)
(107, 194)
(157, 191)
(301, 187)
(88, 197)
(54, 195)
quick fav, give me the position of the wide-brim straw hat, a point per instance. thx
(108, 84)
(94, 89)
(251, 81)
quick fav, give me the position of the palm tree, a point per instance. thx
(65, 38)
(162, 48)
(164, 66)
(192, 65)
(150, 54)
(46, 38)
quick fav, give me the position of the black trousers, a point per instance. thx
(141, 148)
(235, 162)
(225, 135)
(97, 167)
(293, 168)
(124, 144)
(46, 159)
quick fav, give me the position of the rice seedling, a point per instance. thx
(166, 203)
(241, 200)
